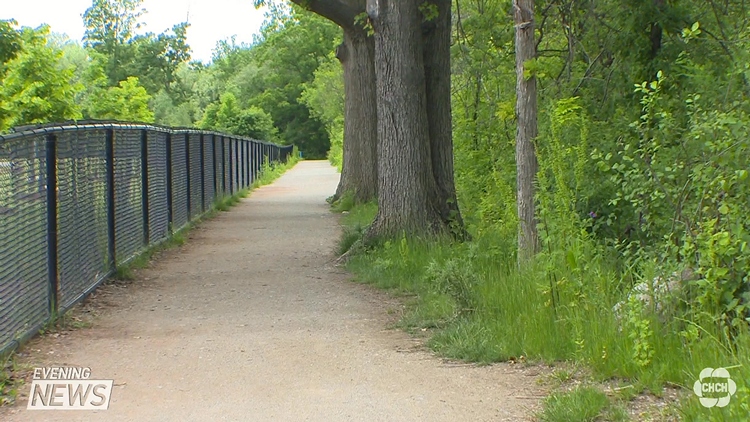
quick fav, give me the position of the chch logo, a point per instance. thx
(714, 387)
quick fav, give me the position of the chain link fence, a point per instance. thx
(77, 201)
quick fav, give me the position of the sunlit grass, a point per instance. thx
(482, 308)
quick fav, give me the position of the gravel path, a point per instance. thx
(251, 321)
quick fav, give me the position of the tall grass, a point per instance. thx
(483, 308)
(272, 171)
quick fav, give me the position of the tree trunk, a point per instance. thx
(359, 168)
(436, 39)
(526, 113)
(414, 150)
(359, 174)
(656, 33)
(406, 185)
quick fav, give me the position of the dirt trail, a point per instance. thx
(251, 321)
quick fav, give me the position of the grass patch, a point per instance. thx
(10, 381)
(126, 272)
(269, 172)
(582, 404)
(479, 307)
(344, 203)
(355, 222)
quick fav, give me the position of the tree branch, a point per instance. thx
(342, 13)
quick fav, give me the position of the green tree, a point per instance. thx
(226, 116)
(255, 123)
(153, 58)
(283, 59)
(110, 26)
(128, 101)
(324, 96)
(36, 87)
(10, 42)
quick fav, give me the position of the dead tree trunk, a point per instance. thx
(526, 113)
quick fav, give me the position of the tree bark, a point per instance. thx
(359, 171)
(526, 113)
(359, 168)
(436, 39)
(406, 184)
(414, 149)
(656, 33)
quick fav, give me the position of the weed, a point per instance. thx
(582, 404)
(479, 306)
(10, 382)
(344, 203)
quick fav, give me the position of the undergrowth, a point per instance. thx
(478, 306)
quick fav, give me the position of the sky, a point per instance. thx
(210, 20)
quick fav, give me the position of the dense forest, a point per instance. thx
(632, 255)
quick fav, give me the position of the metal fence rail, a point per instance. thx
(77, 201)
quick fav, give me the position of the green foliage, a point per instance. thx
(642, 178)
(128, 102)
(363, 20)
(324, 96)
(344, 203)
(111, 22)
(272, 171)
(226, 116)
(35, 87)
(10, 382)
(349, 237)
(289, 51)
(429, 11)
(582, 404)
(167, 113)
(10, 42)
(455, 278)
(255, 123)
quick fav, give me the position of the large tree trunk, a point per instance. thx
(359, 168)
(437, 40)
(526, 112)
(406, 185)
(415, 190)
(359, 174)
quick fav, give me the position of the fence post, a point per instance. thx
(231, 170)
(237, 165)
(53, 281)
(110, 163)
(216, 178)
(223, 167)
(247, 163)
(145, 188)
(169, 182)
(255, 160)
(203, 173)
(187, 175)
(243, 148)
